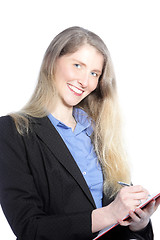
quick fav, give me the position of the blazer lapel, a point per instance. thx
(49, 135)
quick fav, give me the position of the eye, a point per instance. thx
(77, 65)
(94, 74)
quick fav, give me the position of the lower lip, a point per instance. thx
(77, 94)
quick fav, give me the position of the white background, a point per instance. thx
(130, 29)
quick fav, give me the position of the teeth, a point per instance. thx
(75, 89)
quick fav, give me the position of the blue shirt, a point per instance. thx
(80, 146)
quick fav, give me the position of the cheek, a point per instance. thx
(93, 85)
(64, 74)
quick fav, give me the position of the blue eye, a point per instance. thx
(94, 74)
(77, 65)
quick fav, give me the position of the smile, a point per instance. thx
(74, 89)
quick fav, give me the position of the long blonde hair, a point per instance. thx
(101, 105)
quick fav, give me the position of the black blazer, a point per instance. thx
(42, 191)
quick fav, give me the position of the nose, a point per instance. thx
(84, 79)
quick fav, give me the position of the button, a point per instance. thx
(84, 173)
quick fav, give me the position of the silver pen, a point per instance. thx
(124, 184)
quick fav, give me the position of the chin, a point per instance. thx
(72, 103)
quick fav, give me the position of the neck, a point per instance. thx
(65, 116)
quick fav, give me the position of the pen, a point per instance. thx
(124, 184)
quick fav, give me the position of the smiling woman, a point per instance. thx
(75, 81)
(62, 154)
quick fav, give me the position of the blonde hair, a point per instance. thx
(101, 105)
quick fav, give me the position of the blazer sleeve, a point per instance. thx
(20, 200)
(124, 233)
(145, 234)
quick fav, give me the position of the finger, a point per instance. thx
(141, 195)
(136, 202)
(138, 189)
(147, 211)
(124, 223)
(140, 213)
(135, 216)
(150, 207)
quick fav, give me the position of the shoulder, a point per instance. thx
(5, 119)
(6, 123)
(10, 138)
(8, 130)
(9, 124)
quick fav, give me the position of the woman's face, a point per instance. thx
(76, 75)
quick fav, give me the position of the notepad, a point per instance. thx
(142, 205)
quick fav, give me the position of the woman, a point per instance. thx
(62, 154)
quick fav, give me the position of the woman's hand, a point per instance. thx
(128, 199)
(140, 217)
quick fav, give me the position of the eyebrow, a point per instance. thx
(81, 63)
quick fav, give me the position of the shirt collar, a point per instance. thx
(84, 123)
